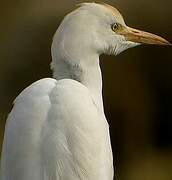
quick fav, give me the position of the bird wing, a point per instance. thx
(56, 132)
(20, 154)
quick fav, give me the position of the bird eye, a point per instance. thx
(116, 26)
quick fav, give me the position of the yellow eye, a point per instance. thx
(116, 27)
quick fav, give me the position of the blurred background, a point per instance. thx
(137, 83)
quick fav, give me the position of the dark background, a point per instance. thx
(137, 83)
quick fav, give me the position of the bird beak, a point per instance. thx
(142, 37)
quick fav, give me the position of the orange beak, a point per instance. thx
(142, 37)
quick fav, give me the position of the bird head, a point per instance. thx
(99, 28)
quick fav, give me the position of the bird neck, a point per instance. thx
(85, 70)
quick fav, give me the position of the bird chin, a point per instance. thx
(133, 44)
(119, 48)
(125, 46)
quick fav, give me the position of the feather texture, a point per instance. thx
(55, 132)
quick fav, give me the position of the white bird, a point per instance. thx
(57, 129)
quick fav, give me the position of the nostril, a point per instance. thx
(136, 32)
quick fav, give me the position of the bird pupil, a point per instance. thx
(115, 26)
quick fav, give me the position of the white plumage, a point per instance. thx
(53, 133)
(57, 129)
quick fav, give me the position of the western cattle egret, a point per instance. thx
(57, 129)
